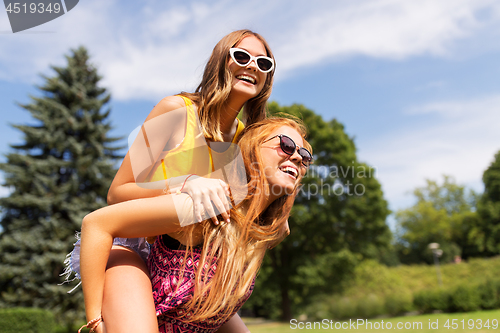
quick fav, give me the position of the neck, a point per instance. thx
(269, 198)
(231, 109)
(266, 201)
(227, 121)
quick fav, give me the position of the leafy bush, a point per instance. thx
(374, 278)
(26, 320)
(343, 308)
(420, 277)
(380, 290)
(370, 306)
(489, 294)
(400, 303)
(337, 307)
(432, 300)
(340, 308)
(319, 308)
(465, 298)
(462, 298)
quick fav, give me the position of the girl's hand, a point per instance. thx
(207, 194)
(98, 328)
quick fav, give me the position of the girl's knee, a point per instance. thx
(88, 220)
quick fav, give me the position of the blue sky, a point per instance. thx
(416, 83)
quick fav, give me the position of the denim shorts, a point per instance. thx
(72, 262)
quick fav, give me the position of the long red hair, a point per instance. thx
(239, 247)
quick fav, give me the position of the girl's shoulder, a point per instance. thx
(167, 104)
(174, 100)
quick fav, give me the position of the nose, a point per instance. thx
(252, 65)
(296, 156)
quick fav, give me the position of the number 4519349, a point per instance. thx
(471, 324)
(33, 8)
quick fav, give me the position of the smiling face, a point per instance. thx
(248, 80)
(282, 171)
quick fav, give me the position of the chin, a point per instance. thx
(248, 91)
(249, 94)
(280, 190)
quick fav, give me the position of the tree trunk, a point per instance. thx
(286, 310)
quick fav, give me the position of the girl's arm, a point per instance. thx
(130, 219)
(163, 130)
(146, 149)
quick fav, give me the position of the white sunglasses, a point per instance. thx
(243, 58)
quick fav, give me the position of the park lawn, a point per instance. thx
(441, 319)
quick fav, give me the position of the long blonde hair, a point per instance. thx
(213, 91)
(238, 247)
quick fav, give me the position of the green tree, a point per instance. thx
(338, 219)
(486, 234)
(443, 213)
(60, 172)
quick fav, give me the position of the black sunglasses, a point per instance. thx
(289, 147)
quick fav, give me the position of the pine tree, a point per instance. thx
(61, 172)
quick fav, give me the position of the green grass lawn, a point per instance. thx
(413, 323)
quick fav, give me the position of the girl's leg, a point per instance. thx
(128, 304)
(127, 290)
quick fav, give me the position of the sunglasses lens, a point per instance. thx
(306, 156)
(264, 64)
(287, 145)
(241, 57)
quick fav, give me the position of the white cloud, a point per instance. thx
(461, 143)
(384, 28)
(153, 50)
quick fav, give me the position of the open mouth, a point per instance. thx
(290, 171)
(246, 78)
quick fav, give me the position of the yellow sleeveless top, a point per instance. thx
(192, 155)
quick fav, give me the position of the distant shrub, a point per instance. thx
(343, 308)
(432, 300)
(466, 298)
(400, 303)
(370, 306)
(319, 308)
(379, 290)
(338, 307)
(489, 293)
(374, 278)
(26, 320)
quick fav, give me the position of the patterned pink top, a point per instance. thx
(164, 263)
